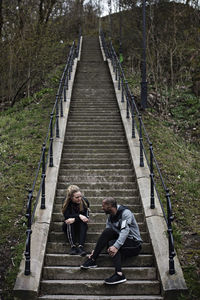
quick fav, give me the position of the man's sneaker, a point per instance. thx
(73, 251)
(81, 251)
(115, 279)
(89, 264)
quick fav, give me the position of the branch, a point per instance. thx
(19, 90)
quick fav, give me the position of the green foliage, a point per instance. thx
(180, 166)
(22, 129)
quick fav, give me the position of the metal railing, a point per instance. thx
(137, 124)
(48, 156)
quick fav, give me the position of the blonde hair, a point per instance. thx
(71, 190)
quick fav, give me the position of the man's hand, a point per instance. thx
(91, 254)
(70, 221)
(83, 218)
(112, 251)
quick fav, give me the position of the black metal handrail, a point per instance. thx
(47, 157)
(137, 123)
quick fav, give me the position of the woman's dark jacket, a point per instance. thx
(73, 210)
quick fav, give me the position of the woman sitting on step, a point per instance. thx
(76, 213)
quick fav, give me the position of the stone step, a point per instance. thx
(101, 149)
(99, 172)
(95, 133)
(95, 156)
(96, 227)
(68, 273)
(94, 297)
(93, 112)
(102, 186)
(97, 138)
(90, 126)
(142, 260)
(116, 168)
(63, 248)
(133, 200)
(91, 93)
(104, 102)
(102, 113)
(90, 238)
(97, 179)
(93, 84)
(98, 288)
(76, 105)
(95, 217)
(93, 162)
(95, 208)
(92, 76)
(94, 122)
(95, 141)
(103, 193)
(90, 118)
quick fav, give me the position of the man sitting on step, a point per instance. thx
(121, 237)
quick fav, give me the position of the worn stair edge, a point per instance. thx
(172, 285)
(27, 287)
(68, 273)
(94, 297)
(97, 287)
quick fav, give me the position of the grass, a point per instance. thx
(23, 129)
(175, 134)
(179, 161)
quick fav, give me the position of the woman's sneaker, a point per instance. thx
(89, 264)
(73, 251)
(115, 279)
(81, 251)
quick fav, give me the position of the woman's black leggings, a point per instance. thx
(107, 239)
(75, 232)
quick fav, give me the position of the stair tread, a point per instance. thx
(94, 297)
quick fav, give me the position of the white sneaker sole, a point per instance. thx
(120, 281)
(91, 267)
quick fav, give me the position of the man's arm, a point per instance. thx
(124, 232)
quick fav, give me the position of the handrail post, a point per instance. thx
(133, 116)
(67, 78)
(64, 92)
(152, 202)
(57, 118)
(43, 177)
(51, 142)
(119, 80)
(141, 145)
(61, 105)
(27, 254)
(127, 101)
(170, 233)
(116, 69)
(122, 98)
(70, 67)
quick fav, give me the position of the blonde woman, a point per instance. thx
(76, 216)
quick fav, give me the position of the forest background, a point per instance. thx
(35, 38)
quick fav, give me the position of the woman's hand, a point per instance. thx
(83, 218)
(70, 221)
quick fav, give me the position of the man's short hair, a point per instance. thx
(110, 201)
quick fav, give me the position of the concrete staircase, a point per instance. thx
(96, 158)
